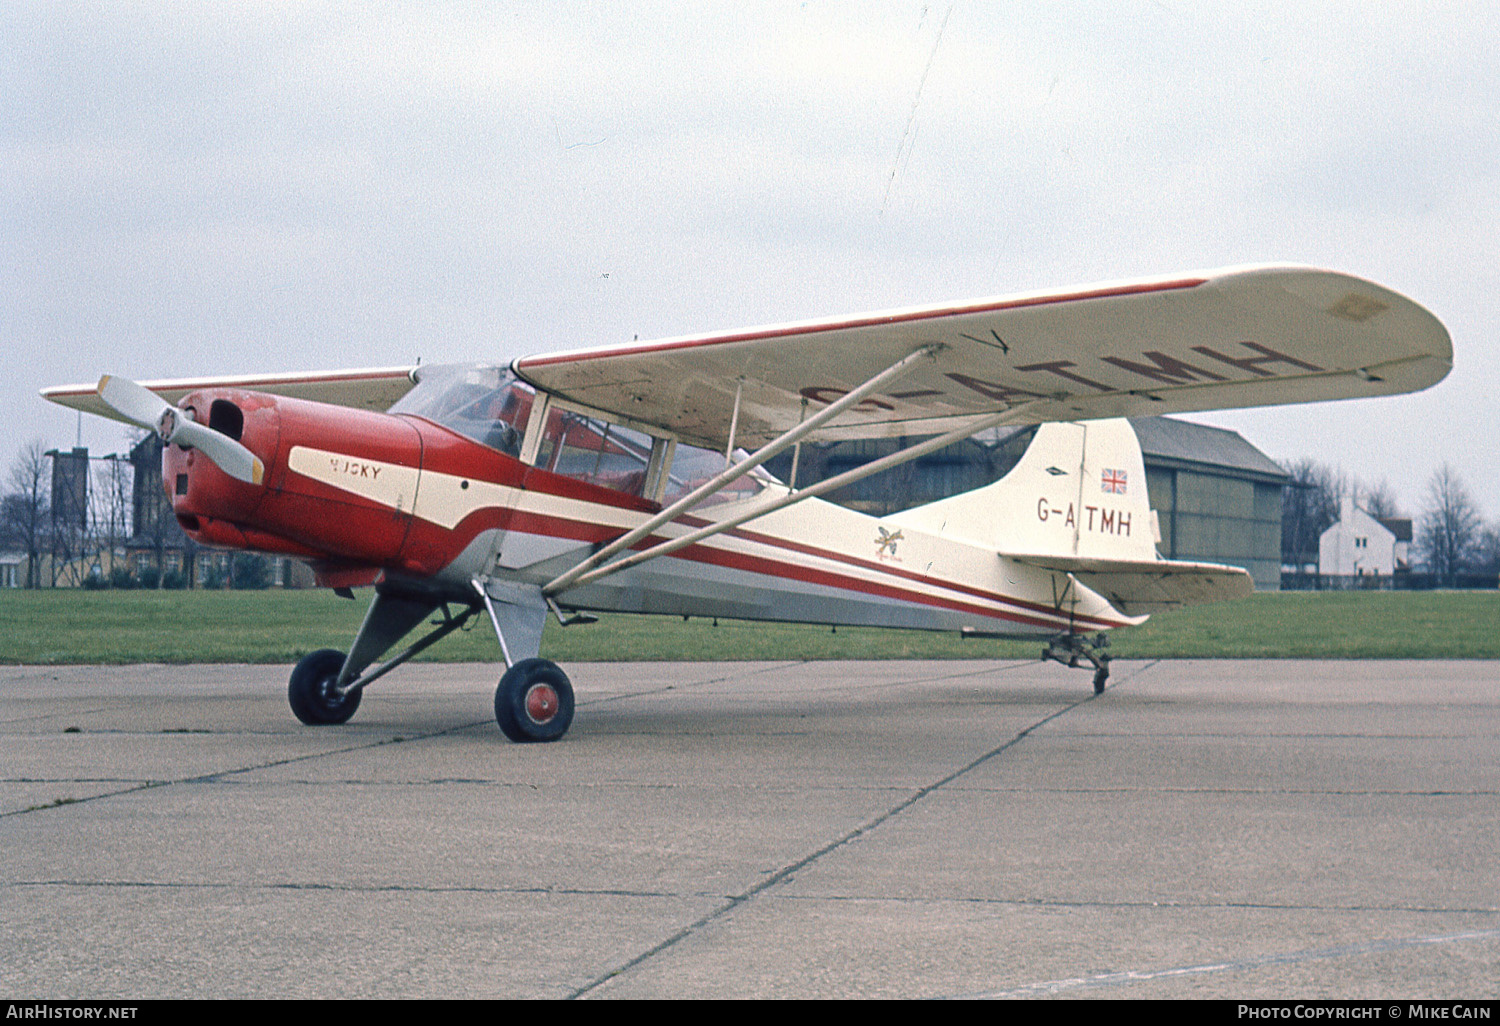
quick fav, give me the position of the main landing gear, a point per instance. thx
(534, 701)
(1068, 649)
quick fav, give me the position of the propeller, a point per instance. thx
(146, 409)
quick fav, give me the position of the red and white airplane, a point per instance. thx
(628, 478)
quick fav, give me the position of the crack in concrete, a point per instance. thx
(691, 895)
(355, 888)
(790, 870)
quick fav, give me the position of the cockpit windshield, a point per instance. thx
(487, 404)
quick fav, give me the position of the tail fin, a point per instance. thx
(1078, 492)
(1076, 504)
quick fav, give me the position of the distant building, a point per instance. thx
(1360, 545)
(70, 514)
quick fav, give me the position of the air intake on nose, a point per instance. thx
(226, 418)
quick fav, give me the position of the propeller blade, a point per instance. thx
(146, 409)
(227, 454)
(141, 406)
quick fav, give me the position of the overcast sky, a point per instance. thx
(217, 188)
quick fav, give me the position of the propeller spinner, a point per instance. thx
(146, 409)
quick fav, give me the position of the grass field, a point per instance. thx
(65, 626)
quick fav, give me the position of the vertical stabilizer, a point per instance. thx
(1079, 491)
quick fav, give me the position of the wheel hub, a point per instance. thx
(328, 691)
(541, 702)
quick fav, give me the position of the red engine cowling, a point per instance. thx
(339, 489)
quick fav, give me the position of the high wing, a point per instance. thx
(1234, 337)
(373, 389)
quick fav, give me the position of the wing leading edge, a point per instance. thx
(1235, 337)
(372, 389)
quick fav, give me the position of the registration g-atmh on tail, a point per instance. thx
(629, 477)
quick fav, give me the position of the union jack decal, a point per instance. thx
(1113, 481)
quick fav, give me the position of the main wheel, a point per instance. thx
(534, 701)
(1100, 676)
(311, 692)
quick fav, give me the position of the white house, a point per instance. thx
(1360, 545)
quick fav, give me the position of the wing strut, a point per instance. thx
(739, 470)
(581, 575)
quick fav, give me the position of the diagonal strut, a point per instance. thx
(734, 473)
(585, 576)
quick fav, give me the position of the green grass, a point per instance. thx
(66, 626)
(1333, 625)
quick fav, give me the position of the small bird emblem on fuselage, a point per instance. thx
(886, 543)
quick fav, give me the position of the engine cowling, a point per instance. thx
(339, 489)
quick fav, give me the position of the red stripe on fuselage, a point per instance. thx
(554, 526)
(786, 543)
(540, 482)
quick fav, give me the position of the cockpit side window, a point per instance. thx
(494, 407)
(590, 449)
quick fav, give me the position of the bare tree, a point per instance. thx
(1488, 557)
(26, 510)
(1309, 506)
(1380, 501)
(109, 502)
(1449, 535)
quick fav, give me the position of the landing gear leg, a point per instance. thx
(326, 686)
(1068, 649)
(534, 701)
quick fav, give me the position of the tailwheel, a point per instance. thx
(534, 701)
(313, 690)
(1071, 649)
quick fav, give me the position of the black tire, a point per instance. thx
(1100, 676)
(310, 690)
(534, 701)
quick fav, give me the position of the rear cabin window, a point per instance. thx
(692, 466)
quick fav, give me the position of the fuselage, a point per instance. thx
(507, 483)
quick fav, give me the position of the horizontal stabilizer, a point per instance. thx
(1138, 587)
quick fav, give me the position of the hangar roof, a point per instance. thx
(1166, 441)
